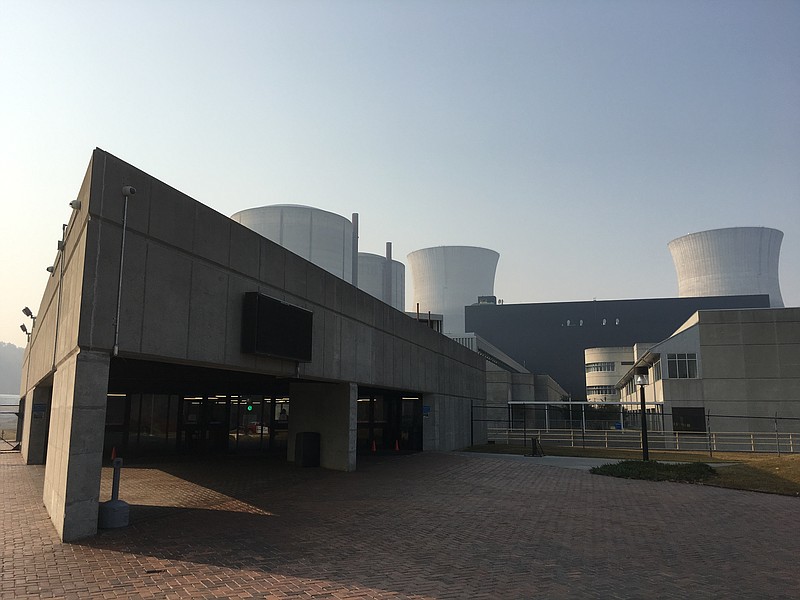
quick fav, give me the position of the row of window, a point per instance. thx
(579, 322)
(679, 366)
(601, 390)
(599, 367)
(682, 366)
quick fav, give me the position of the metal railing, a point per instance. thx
(8, 427)
(767, 442)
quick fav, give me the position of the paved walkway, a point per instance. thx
(420, 526)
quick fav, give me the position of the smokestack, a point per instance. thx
(355, 249)
(387, 274)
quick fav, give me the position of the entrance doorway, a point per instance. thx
(389, 423)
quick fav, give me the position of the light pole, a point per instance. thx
(641, 381)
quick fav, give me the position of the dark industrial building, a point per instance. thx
(550, 337)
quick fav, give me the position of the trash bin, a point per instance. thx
(306, 449)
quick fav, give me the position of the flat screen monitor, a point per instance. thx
(272, 327)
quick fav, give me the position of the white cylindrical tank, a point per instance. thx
(372, 274)
(321, 237)
(448, 278)
(728, 262)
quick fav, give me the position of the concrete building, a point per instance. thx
(448, 278)
(512, 391)
(552, 337)
(166, 326)
(740, 366)
(729, 262)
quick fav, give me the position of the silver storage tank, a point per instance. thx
(372, 274)
(321, 237)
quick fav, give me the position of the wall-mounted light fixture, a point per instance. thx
(29, 313)
(50, 270)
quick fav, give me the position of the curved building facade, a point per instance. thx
(729, 262)
(382, 278)
(604, 367)
(321, 237)
(448, 278)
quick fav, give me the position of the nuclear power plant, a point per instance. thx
(246, 336)
(448, 278)
(729, 262)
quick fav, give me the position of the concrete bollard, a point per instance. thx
(114, 513)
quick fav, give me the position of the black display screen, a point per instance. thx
(275, 328)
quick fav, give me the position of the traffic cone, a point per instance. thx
(113, 453)
(396, 446)
(374, 449)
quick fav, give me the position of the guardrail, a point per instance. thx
(768, 442)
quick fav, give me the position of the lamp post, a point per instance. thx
(641, 381)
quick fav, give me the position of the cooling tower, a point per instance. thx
(319, 236)
(383, 278)
(728, 262)
(448, 278)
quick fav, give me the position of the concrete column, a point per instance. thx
(448, 422)
(330, 410)
(35, 422)
(75, 446)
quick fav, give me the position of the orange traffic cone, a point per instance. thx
(113, 453)
(396, 446)
(374, 449)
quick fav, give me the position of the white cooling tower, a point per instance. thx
(373, 271)
(728, 262)
(448, 278)
(319, 236)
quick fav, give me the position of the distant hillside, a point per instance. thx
(10, 367)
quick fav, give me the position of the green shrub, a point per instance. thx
(656, 471)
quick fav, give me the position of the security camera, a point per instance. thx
(128, 190)
(75, 204)
(50, 269)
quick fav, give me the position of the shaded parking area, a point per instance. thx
(414, 526)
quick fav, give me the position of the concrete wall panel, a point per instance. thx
(171, 215)
(208, 305)
(212, 235)
(167, 291)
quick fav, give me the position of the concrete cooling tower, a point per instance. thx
(319, 236)
(448, 278)
(727, 262)
(382, 277)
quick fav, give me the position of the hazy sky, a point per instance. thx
(575, 138)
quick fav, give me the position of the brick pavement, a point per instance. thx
(420, 526)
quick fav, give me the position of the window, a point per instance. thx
(599, 367)
(657, 370)
(601, 390)
(688, 419)
(682, 366)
